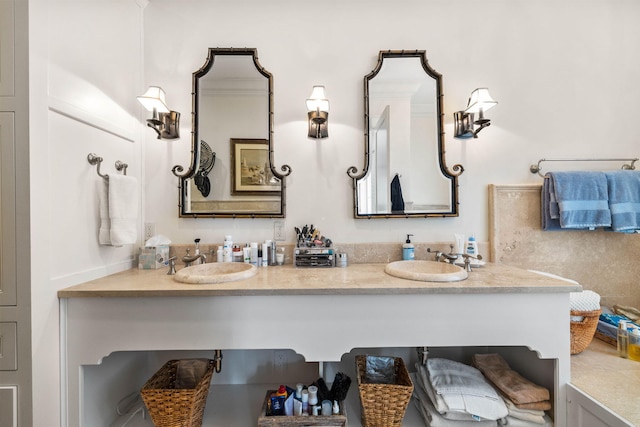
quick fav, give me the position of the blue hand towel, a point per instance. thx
(582, 198)
(624, 200)
(549, 222)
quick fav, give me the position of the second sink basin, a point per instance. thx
(426, 271)
(215, 273)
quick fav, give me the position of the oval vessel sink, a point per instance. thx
(215, 273)
(426, 271)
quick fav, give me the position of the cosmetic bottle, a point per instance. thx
(305, 402)
(472, 246)
(408, 250)
(634, 345)
(254, 253)
(219, 254)
(265, 254)
(246, 254)
(623, 339)
(227, 249)
(313, 399)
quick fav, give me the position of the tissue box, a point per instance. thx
(153, 257)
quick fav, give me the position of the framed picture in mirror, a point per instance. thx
(250, 170)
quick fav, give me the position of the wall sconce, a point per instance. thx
(479, 102)
(165, 122)
(318, 107)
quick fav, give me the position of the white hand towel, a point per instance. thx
(123, 209)
(104, 235)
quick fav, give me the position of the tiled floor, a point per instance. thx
(609, 379)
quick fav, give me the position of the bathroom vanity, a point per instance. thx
(332, 311)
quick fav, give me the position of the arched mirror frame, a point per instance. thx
(195, 146)
(451, 175)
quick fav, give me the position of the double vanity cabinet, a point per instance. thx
(320, 314)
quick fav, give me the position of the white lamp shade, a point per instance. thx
(153, 98)
(480, 100)
(318, 100)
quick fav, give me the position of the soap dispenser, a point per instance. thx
(408, 250)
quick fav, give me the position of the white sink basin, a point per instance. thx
(215, 273)
(426, 271)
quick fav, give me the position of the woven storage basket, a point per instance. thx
(176, 407)
(582, 332)
(383, 405)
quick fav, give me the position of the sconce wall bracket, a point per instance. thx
(318, 124)
(166, 125)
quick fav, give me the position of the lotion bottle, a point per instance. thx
(408, 250)
(472, 246)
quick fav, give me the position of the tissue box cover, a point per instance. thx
(153, 257)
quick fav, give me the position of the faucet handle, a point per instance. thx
(172, 266)
(467, 260)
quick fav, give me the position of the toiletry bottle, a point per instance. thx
(254, 253)
(265, 254)
(313, 400)
(219, 254)
(472, 246)
(634, 344)
(623, 339)
(408, 250)
(259, 263)
(227, 249)
(246, 253)
(305, 402)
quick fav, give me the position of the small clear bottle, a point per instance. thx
(623, 339)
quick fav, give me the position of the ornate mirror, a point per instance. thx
(405, 173)
(232, 172)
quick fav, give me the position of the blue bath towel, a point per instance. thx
(549, 206)
(624, 200)
(582, 198)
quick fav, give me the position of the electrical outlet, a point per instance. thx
(278, 231)
(279, 360)
(149, 230)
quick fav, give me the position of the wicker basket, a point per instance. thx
(172, 407)
(384, 405)
(582, 332)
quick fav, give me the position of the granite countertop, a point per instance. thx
(609, 379)
(363, 279)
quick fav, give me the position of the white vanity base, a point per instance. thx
(320, 327)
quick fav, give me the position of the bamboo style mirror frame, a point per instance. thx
(405, 172)
(232, 172)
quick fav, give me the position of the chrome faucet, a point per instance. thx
(188, 258)
(450, 257)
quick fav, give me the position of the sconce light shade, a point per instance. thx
(318, 113)
(479, 102)
(164, 121)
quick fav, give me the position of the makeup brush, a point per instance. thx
(323, 390)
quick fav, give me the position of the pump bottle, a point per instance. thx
(408, 250)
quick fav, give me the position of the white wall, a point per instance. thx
(562, 72)
(85, 71)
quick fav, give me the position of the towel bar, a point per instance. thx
(536, 168)
(93, 159)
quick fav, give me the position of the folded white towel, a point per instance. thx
(104, 235)
(122, 202)
(464, 389)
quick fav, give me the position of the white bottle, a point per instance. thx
(472, 246)
(265, 254)
(227, 254)
(254, 253)
(219, 254)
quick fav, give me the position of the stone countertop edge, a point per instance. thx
(356, 279)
